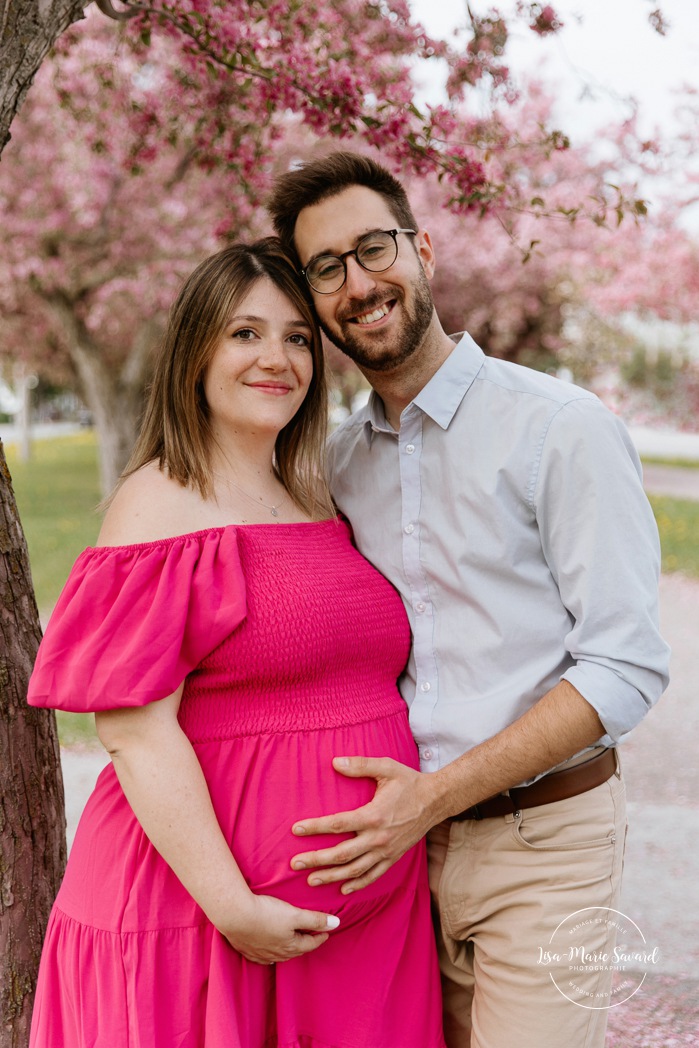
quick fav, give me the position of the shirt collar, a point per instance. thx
(375, 420)
(442, 395)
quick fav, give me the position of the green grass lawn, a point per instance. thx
(58, 490)
(677, 463)
(678, 524)
(57, 493)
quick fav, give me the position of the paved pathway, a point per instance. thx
(679, 482)
(665, 443)
(661, 873)
(661, 890)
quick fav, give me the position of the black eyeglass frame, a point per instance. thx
(341, 258)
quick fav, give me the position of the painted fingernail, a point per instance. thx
(332, 922)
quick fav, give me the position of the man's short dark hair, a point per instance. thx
(317, 180)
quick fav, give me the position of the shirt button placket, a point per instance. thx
(410, 448)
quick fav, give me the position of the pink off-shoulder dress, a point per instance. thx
(291, 644)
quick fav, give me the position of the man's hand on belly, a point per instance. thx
(397, 817)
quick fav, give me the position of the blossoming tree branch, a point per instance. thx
(238, 66)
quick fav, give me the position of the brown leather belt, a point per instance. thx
(556, 786)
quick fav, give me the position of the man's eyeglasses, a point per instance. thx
(375, 252)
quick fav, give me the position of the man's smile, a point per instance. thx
(378, 313)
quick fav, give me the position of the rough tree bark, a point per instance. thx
(32, 817)
(28, 28)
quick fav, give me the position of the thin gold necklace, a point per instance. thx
(274, 510)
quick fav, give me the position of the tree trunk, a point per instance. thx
(28, 28)
(116, 421)
(115, 398)
(32, 815)
(113, 393)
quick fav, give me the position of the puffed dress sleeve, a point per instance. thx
(133, 621)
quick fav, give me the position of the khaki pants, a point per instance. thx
(500, 889)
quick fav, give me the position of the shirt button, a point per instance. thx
(425, 686)
(409, 448)
(420, 606)
(409, 529)
(427, 755)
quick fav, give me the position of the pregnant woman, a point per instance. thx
(231, 641)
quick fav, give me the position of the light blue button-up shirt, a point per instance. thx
(510, 515)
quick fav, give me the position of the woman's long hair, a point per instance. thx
(176, 430)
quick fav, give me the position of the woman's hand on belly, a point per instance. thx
(266, 930)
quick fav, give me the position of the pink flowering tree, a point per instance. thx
(348, 71)
(558, 294)
(237, 67)
(639, 310)
(97, 235)
(101, 218)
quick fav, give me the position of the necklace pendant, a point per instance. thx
(273, 511)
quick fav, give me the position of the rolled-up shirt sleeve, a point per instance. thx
(600, 540)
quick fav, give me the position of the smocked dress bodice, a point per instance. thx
(242, 612)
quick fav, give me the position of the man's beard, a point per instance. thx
(370, 353)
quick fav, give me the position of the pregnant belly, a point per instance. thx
(261, 786)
